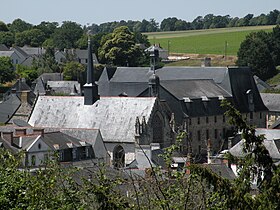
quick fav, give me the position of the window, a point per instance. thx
(260, 115)
(215, 119)
(224, 118)
(118, 157)
(207, 120)
(224, 133)
(251, 115)
(33, 160)
(190, 121)
(199, 149)
(207, 134)
(216, 133)
(87, 152)
(61, 155)
(157, 126)
(198, 136)
(198, 120)
(39, 146)
(74, 153)
(86, 60)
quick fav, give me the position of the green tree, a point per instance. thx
(7, 73)
(19, 25)
(46, 63)
(73, 71)
(7, 38)
(3, 27)
(120, 49)
(29, 73)
(32, 37)
(67, 35)
(254, 52)
(47, 28)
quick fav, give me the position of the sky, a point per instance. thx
(91, 11)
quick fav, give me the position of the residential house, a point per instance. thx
(39, 146)
(15, 58)
(78, 55)
(272, 102)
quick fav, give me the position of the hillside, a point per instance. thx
(209, 41)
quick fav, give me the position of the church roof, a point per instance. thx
(114, 116)
(8, 108)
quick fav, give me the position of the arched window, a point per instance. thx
(157, 126)
(118, 157)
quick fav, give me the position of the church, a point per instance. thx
(126, 123)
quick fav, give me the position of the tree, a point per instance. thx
(119, 48)
(47, 28)
(254, 52)
(46, 63)
(67, 35)
(73, 71)
(3, 27)
(7, 73)
(19, 25)
(29, 73)
(7, 38)
(32, 37)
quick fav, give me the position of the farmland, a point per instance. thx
(211, 41)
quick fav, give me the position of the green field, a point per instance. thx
(210, 41)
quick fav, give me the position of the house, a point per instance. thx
(39, 145)
(272, 102)
(39, 85)
(28, 54)
(78, 55)
(163, 54)
(194, 95)
(124, 122)
(15, 58)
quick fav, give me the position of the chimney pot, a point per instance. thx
(38, 131)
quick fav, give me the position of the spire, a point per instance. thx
(90, 75)
(90, 88)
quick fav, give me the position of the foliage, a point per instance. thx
(3, 27)
(7, 73)
(256, 51)
(19, 25)
(7, 38)
(29, 73)
(67, 35)
(120, 49)
(73, 71)
(46, 63)
(32, 37)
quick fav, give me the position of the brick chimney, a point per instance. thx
(20, 131)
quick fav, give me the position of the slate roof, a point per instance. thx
(8, 108)
(271, 143)
(261, 85)
(51, 77)
(114, 116)
(83, 54)
(66, 87)
(3, 47)
(271, 101)
(62, 139)
(22, 53)
(221, 170)
(33, 50)
(232, 81)
(194, 89)
(6, 53)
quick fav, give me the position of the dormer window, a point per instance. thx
(250, 98)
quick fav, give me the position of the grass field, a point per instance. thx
(210, 41)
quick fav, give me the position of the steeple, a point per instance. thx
(90, 88)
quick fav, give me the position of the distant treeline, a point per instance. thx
(73, 35)
(175, 24)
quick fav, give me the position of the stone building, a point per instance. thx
(125, 123)
(194, 95)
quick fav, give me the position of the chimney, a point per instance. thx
(38, 131)
(24, 96)
(90, 88)
(20, 131)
